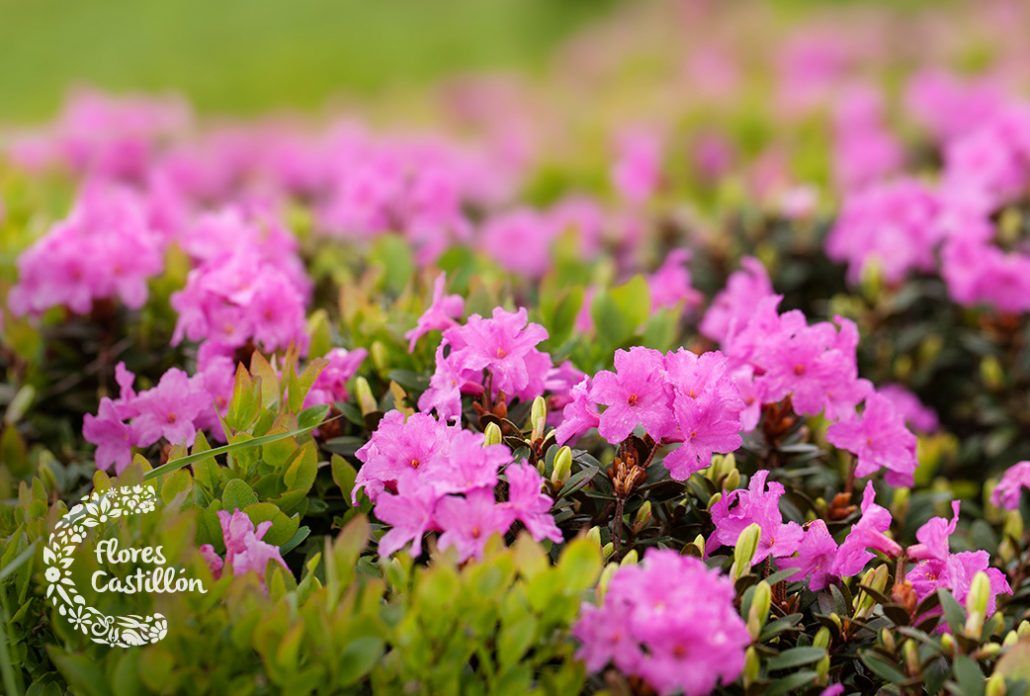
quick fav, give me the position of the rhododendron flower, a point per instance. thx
(440, 314)
(670, 284)
(816, 553)
(579, 415)
(707, 426)
(1009, 490)
(880, 440)
(170, 409)
(652, 626)
(891, 225)
(529, 504)
(244, 549)
(105, 248)
(867, 533)
(331, 384)
(939, 568)
(113, 438)
(732, 308)
(520, 241)
(469, 522)
(503, 346)
(400, 449)
(917, 416)
(409, 514)
(740, 508)
(636, 173)
(635, 394)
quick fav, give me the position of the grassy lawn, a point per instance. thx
(248, 55)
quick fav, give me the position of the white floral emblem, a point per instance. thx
(94, 510)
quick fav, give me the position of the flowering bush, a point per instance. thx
(703, 398)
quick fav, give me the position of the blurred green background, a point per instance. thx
(248, 55)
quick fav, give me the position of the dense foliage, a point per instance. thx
(722, 386)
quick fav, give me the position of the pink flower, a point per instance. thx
(890, 224)
(244, 549)
(105, 248)
(708, 425)
(170, 409)
(732, 307)
(520, 241)
(1010, 489)
(440, 314)
(670, 284)
(880, 440)
(740, 508)
(113, 438)
(410, 514)
(867, 533)
(815, 556)
(652, 626)
(636, 173)
(399, 450)
(579, 415)
(917, 416)
(469, 522)
(634, 394)
(529, 505)
(331, 384)
(503, 347)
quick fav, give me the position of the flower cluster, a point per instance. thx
(497, 357)
(425, 475)
(651, 625)
(105, 249)
(244, 549)
(174, 409)
(246, 287)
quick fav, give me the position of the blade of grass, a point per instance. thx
(177, 464)
(18, 561)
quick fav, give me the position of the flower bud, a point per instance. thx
(643, 516)
(716, 497)
(630, 558)
(911, 653)
(731, 481)
(752, 667)
(757, 615)
(1011, 638)
(363, 393)
(538, 417)
(976, 604)
(594, 535)
(607, 550)
(822, 638)
(888, 640)
(948, 644)
(1014, 524)
(744, 551)
(492, 435)
(1024, 629)
(562, 466)
(699, 544)
(991, 373)
(871, 280)
(605, 579)
(899, 506)
(379, 357)
(995, 685)
(989, 650)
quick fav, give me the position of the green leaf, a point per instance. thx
(392, 255)
(619, 312)
(344, 475)
(954, 614)
(884, 669)
(357, 659)
(299, 386)
(795, 657)
(579, 564)
(968, 675)
(237, 495)
(791, 682)
(175, 464)
(516, 639)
